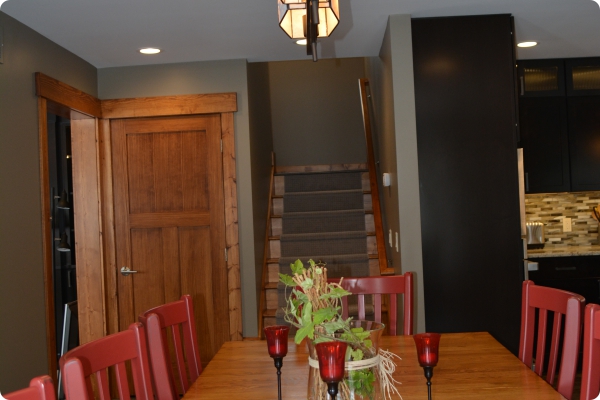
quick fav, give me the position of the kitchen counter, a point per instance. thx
(567, 251)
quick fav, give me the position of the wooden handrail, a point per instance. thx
(384, 269)
(265, 273)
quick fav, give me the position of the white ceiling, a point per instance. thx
(108, 33)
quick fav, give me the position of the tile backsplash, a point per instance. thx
(551, 208)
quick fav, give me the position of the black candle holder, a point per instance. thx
(278, 364)
(428, 375)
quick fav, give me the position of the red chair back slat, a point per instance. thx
(178, 317)
(178, 347)
(590, 375)
(40, 388)
(378, 286)
(93, 358)
(560, 303)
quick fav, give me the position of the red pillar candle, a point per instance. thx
(332, 358)
(427, 348)
(277, 340)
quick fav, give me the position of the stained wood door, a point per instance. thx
(169, 220)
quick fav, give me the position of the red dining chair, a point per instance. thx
(40, 388)
(378, 286)
(590, 373)
(173, 315)
(560, 303)
(94, 358)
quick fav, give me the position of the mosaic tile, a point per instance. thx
(552, 208)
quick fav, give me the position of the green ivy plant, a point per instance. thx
(315, 308)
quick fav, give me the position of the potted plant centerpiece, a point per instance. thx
(314, 307)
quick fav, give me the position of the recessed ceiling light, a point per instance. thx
(527, 44)
(150, 50)
(301, 42)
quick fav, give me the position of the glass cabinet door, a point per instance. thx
(541, 78)
(583, 76)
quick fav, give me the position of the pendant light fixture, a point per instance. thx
(320, 20)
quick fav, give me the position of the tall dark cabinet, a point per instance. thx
(465, 94)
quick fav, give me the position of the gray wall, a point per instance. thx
(22, 307)
(391, 75)
(379, 72)
(316, 119)
(316, 111)
(261, 146)
(195, 78)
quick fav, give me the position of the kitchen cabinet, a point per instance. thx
(559, 124)
(545, 143)
(584, 142)
(582, 76)
(541, 78)
(559, 77)
(580, 274)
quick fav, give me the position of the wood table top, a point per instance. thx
(471, 366)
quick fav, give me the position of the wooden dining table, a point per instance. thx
(471, 366)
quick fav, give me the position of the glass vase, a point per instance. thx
(361, 382)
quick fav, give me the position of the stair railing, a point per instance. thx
(265, 266)
(384, 269)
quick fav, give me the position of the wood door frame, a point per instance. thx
(62, 99)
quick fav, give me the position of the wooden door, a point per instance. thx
(169, 220)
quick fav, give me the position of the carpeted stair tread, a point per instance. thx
(322, 213)
(323, 201)
(286, 237)
(337, 265)
(328, 243)
(322, 192)
(328, 259)
(323, 181)
(323, 221)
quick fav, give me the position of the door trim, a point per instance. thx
(231, 227)
(216, 103)
(66, 95)
(47, 241)
(56, 95)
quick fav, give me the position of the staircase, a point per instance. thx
(330, 213)
(319, 212)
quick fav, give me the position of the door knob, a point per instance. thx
(125, 271)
